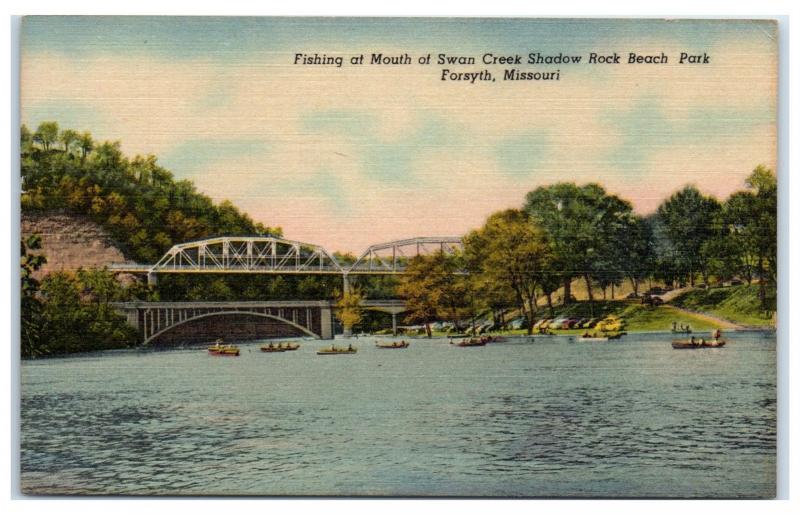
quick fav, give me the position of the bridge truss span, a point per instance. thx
(393, 257)
(255, 254)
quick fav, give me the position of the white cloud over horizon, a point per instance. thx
(354, 156)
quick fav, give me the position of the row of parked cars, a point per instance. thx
(610, 323)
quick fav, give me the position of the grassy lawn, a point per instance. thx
(738, 304)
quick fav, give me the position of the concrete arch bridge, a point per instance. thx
(195, 322)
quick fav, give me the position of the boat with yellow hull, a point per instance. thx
(220, 349)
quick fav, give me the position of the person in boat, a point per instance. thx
(702, 341)
(350, 347)
(692, 341)
(716, 334)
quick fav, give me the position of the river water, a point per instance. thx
(554, 417)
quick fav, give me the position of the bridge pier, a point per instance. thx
(326, 324)
(152, 279)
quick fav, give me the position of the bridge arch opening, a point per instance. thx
(228, 325)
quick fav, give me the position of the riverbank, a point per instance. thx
(641, 318)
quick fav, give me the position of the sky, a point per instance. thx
(357, 155)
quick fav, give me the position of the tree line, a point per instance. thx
(139, 203)
(521, 257)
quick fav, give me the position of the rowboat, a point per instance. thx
(393, 345)
(471, 343)
(334, 350)
(218, 349)
(687, 344)
(272, 348)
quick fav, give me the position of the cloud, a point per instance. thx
(350, 156)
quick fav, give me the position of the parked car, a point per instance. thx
(610, 324)
(517, 323)
(591, 323)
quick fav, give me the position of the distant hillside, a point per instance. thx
(138, 203)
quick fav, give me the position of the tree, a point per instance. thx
(751, 232)
(30, 304)
(637, 251)
(46, 134)
(512, 251)
(688, 220)
(68, 138)
(586, 226)
(348, 308)
(86, 144)
(431, 289)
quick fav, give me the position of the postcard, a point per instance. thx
(398, 257)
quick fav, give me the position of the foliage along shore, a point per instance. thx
(529, 261)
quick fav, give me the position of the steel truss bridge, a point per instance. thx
(270, 255)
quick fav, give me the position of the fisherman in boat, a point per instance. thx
(350, 347)
(692, 341)
(716, 334)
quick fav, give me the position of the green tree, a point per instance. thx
(752, 229)
(86, 144)
(46, 134)
(68, 138)
(512, 251)
(688, 219)
(585, 225)
(30, 304)
(431, 289)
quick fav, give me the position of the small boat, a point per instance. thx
(394, 345)
(472, 342)
(272, 348)
(335, 350)
(219, 349)
(688, 344)
(593, 338)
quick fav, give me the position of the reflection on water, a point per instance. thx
(550, 418)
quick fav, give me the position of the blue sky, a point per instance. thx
(351, 156)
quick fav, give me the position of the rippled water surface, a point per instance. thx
(549, 418)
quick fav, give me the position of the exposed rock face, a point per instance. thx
(70, 242)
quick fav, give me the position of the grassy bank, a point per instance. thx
(637, 316)
(739, 304)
